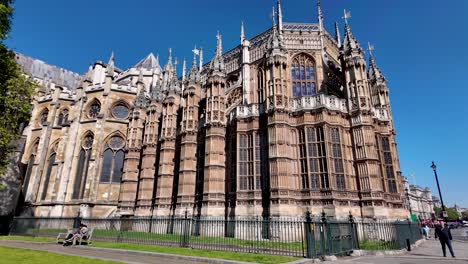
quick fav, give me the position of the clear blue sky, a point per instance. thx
(420, 46)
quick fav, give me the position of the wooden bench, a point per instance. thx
(77, 240)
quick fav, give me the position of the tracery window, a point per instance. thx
(113, 160)
(388, 164)
(27, 176)
(94, 110)
(260, 86)
(313, 158)
(62, 117)
(120, 111)
(337, 158)
(44, 115)
(246, 181)
(50, 164)
(303, 76)
(82, 167)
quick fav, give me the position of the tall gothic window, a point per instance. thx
(388, 164)
(94, 109)
(303, 76)
(313, 158)
(258, 163)
(246, 173)
(113, 160)
(50, 164)
(337, 158)
(27, 176)
(260, 86)
(44, 115)
(82, 167)
(62, 117)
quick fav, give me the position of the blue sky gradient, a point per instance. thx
(420, 47)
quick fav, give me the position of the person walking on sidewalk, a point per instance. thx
(445, 238)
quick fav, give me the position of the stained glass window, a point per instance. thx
(303, 76)
(120, 111)
(313, 159)
(113, 159)
(94, 110)
(337, 157)
(82, 167)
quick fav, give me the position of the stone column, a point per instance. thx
(165, 185)
(147, 177)
(215, 172)
(188, 159)
(131, 169)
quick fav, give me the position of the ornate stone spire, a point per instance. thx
(194, 74)
(279, 16)
(110, 66)
(320, 15)
(141, 101)
(242, 33)
(184, 69)
(169, 67)
(374, 73)
(337, 34)
(201, 60)
(156, 93)
(350, 44)
(275, 46)
(217, 63)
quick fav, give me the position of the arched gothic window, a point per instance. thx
(44, 115)
(27, 176)
(94, 109)
(50, 164)
(82, 167)
(62, 117)
(113, 159)
(303, 76)
(261, 85)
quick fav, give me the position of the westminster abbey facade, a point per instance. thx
(293, 119)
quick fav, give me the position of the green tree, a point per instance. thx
(16, 90)
(451, 213)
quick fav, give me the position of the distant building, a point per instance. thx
(420, 200)
(436, 201)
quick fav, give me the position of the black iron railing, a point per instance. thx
(301, 237)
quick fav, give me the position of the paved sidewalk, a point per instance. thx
(123, 256)
(428, 252)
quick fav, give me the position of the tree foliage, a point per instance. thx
(16, 89)
(452, 214)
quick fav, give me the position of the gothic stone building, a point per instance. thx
(293, 119)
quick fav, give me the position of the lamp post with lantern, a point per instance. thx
(444, 213)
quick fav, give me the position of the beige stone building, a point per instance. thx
(289, 120)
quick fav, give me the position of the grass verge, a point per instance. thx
(27, 256)
(245, 257)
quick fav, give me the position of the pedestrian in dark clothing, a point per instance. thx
(445, 238)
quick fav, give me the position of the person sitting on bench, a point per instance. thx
(82, 232)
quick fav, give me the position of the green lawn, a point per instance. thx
(27, 256)
(128, 236)
(245, 257)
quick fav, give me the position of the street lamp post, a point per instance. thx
(434, 167)
(408, 199)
